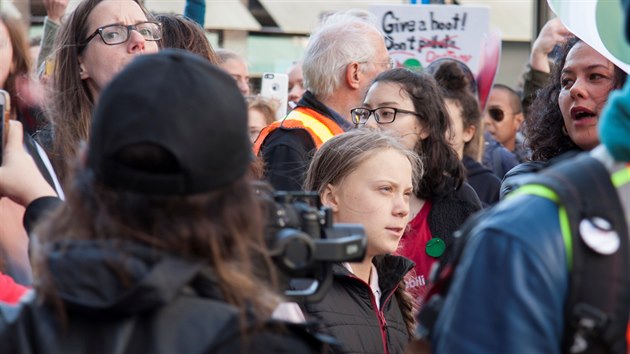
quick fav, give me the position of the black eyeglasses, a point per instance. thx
(117, 34)
(382, 115)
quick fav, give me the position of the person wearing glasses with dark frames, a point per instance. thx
(410, 106)
(503, 118)
(99, 38)
(118, 34)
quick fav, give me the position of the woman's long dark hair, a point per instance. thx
(181, 32)
(544, 123)
(70, 102)
(222, 227)
(456, 86)
(443, 172)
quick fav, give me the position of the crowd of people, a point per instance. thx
(131, 218)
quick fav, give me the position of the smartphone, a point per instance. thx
(275, 87)
(5, 108)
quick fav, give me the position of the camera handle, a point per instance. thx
(295, 252)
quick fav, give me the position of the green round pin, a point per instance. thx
(435, 247)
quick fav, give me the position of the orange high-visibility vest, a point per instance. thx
(318, 126)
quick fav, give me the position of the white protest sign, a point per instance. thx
(599, 23)
(417, 35)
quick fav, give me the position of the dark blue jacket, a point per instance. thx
(496, 157)
(485, 183)
(508, 293)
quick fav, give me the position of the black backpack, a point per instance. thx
(598, 301)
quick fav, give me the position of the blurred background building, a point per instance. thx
(271, 34)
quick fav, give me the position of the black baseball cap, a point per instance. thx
(182, 104)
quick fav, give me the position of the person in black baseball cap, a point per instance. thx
(159, 246)
(187, 112)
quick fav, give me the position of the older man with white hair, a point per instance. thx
(342, 58)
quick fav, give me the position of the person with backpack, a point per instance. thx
(545, 271)
(159, 247)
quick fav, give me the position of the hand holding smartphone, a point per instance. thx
(275, 87)
(5, 108)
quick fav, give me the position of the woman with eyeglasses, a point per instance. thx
(99, 38)
(562, 120)
(409, 105)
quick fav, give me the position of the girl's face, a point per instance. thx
(256, 122)
(587, 79)
(100, 62)
(458, 135)
(376, 194)
(6, 54)
(406, 126)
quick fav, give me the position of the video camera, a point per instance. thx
(304, 243)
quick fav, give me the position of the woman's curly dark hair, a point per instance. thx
(544, 122)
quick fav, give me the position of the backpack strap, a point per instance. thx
(441, 278)
(598, 301)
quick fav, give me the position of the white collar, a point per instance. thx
(373, 283)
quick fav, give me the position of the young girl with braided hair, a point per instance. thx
(367, 177)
